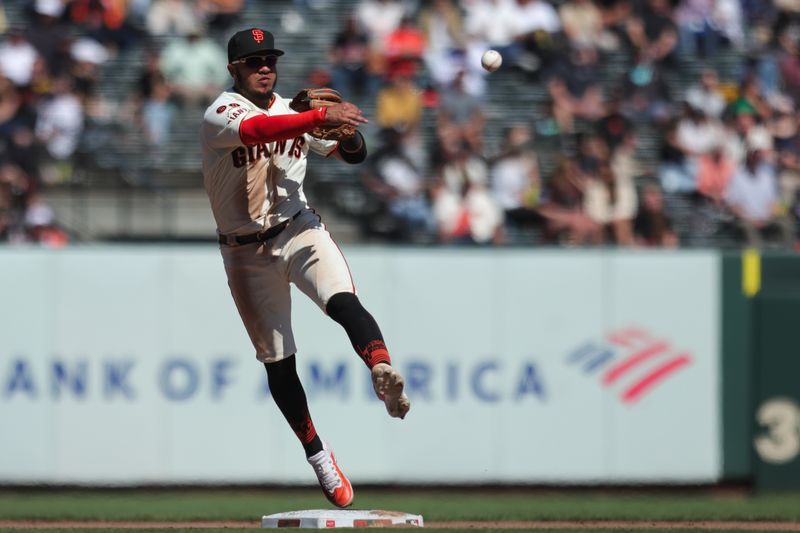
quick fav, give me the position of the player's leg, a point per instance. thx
(345, 308)
(289, 396)
(367, 340)
(319, 269)
(263, 299)
(288, 393)
(262, 296)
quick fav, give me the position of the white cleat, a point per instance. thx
(388, 384)
(334, 483)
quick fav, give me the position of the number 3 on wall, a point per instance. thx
(781, 443)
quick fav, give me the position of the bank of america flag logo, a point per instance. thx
(631, 361)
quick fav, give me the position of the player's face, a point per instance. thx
(255, 76)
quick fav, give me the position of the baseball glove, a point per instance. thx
(316, 98)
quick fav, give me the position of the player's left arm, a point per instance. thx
(352, 149)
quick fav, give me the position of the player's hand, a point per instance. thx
(344, 113)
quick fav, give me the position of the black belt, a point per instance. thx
(261, 236)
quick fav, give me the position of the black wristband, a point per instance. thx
(353, 149)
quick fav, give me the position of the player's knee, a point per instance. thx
(344, 305)
(279, 370)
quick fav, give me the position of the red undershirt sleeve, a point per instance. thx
(264, 129)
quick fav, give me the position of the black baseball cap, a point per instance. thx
(251, 41)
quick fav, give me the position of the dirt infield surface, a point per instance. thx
(578, 524)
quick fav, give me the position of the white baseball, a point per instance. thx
(491, 60)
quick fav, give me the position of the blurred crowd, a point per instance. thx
(724, 159)
(725, 165)
(52, 55)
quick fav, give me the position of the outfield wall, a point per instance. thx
(124, 365)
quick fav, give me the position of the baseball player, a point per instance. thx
(254, 162)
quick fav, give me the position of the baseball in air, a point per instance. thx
(491, 60)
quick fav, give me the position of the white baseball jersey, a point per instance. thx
(253, 187)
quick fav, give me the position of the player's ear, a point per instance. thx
(232, 71)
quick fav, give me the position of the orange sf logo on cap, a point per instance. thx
(258, 36)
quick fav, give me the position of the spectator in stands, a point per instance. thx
(562, 207)
(25, 153)
(138, 11)
(17, 122)
(41, 226)
(150, 73)
(463, 168)
(111, 13)
(194, 66)
(17, 57)
(751, 98)
(609, 194)
(488, 24)
(12, 108)
(646, 94)
(788, 59)
(697, 28)
(575, 90)
(611, 203)
(533, 16)
(583, 24)
(698, 133)
(403, 49)
(653, 225)
(783, 126)
(469, 216)
(615, 127)
(50, 35)
(173, 18)
(464, 208)
(379, 18)
(714, 172)
(153, 105)
(460, 118)
(86, 56)
(398, 185)
(158, 113)
(352, 67)
(399, 108)
(59, 126)
(515, 179)
(622, 157)
(615, 15)
(677, 169)
(746, 130)
(706, 94)
(445, 42)
(785, 130)
(491, 24)
(220, 15)
(728, 19)
(536, 30)
(652, 33)
(624, 162)
(105, 21)
(693, 159)
(15, 190)
(753, 198)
